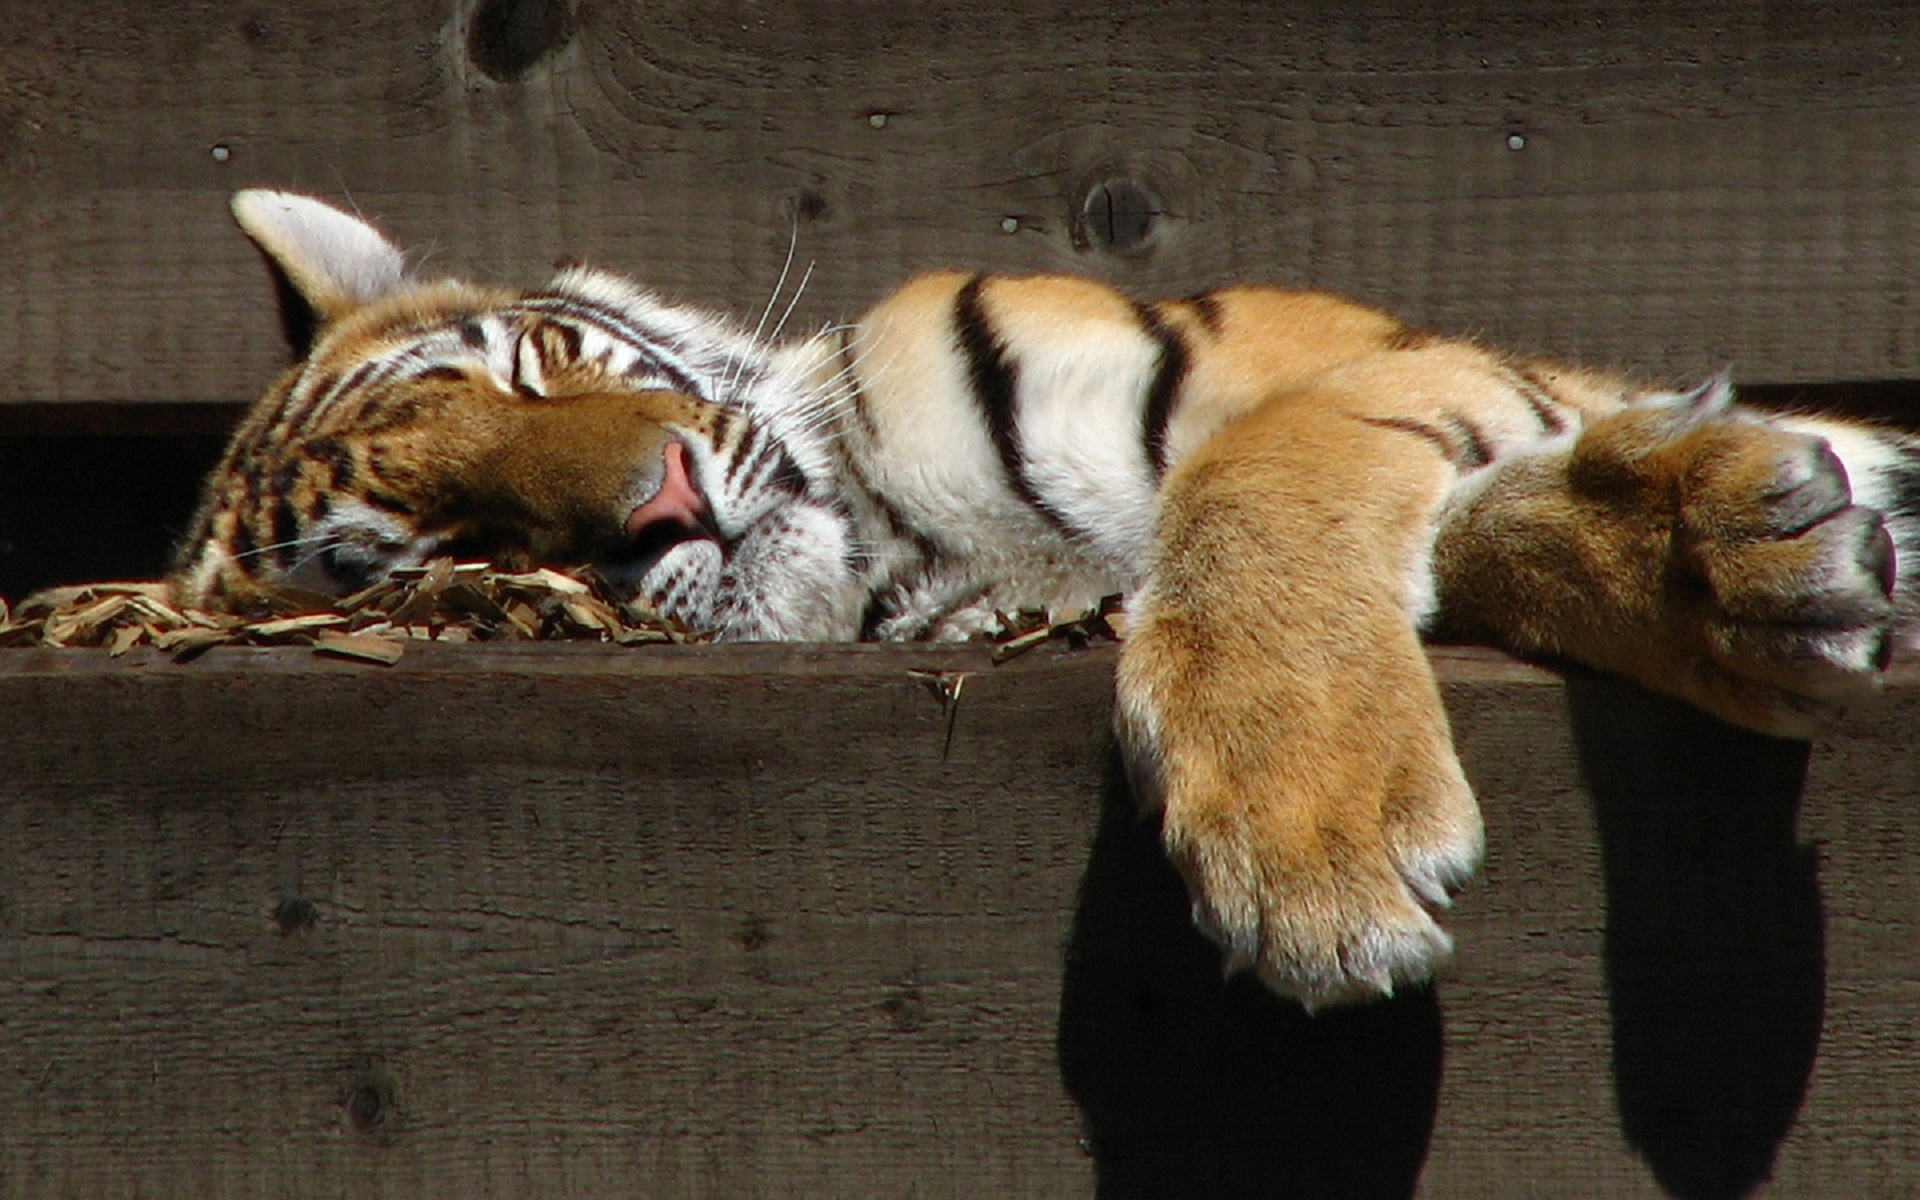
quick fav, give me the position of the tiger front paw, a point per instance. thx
(1321, 865)
(1777, 586)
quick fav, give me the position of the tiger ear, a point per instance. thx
(326, 262)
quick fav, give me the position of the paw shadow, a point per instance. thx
(1191, 1088)
(1713, 951)
(1714, 948)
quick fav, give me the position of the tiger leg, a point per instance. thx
(1278, 705)
(1695, 547)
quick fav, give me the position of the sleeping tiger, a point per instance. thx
(1290, 488)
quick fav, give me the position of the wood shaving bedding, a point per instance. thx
(443, 601)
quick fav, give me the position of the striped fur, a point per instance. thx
(1289, 486)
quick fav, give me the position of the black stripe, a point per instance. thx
(570, 339)
(381, 480)
(387, 502)
(244, 544)
(1207, 307)
(337, 458)
(296, 418)
(1539, 397)
(651, 364)
(651, 344)
(742, 452)
(930, 551)
(399, 412)
(787, 476)
(772, 468)
(318, 385)
(286, 530)
(1419, 429)
(252, 480)
(515, 379)
(1163, 394)
(996, 383)
(302, 400)
(1475, 450)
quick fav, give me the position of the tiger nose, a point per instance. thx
(677, 501)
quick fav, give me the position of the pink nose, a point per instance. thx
(677, 501)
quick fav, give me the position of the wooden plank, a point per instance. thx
(775, 921)
(1670, 187)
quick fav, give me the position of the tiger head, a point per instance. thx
(587, 421)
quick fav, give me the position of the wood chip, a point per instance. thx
(1022, 631)
(1020, 643)
(125, 638)
(190, 643)
(364, 647)
(277, 630)
(545, 580)
(523, 618)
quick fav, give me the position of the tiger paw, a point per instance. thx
(1320, 869)
(1776, 587)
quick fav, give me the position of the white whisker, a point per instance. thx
(323, 545)
(290, 542)
(798, 291)
(779, 285)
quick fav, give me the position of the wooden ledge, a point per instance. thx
(791, 921)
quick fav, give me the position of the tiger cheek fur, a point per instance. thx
(1291, 488)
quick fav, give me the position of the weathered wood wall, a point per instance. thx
(562, 922)
(1673, 185)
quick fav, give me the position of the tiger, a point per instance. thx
(1291, 490)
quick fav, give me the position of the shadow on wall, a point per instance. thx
(1713, 953)
(1714, 949)
(1189, 1088)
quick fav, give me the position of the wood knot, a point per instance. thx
(805, 205)
(295, 914)
(507, 37)
(1118, 214)
(367, 1105)
(905, 1010)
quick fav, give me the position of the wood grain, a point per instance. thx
(559, 921)
(1669, 187)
